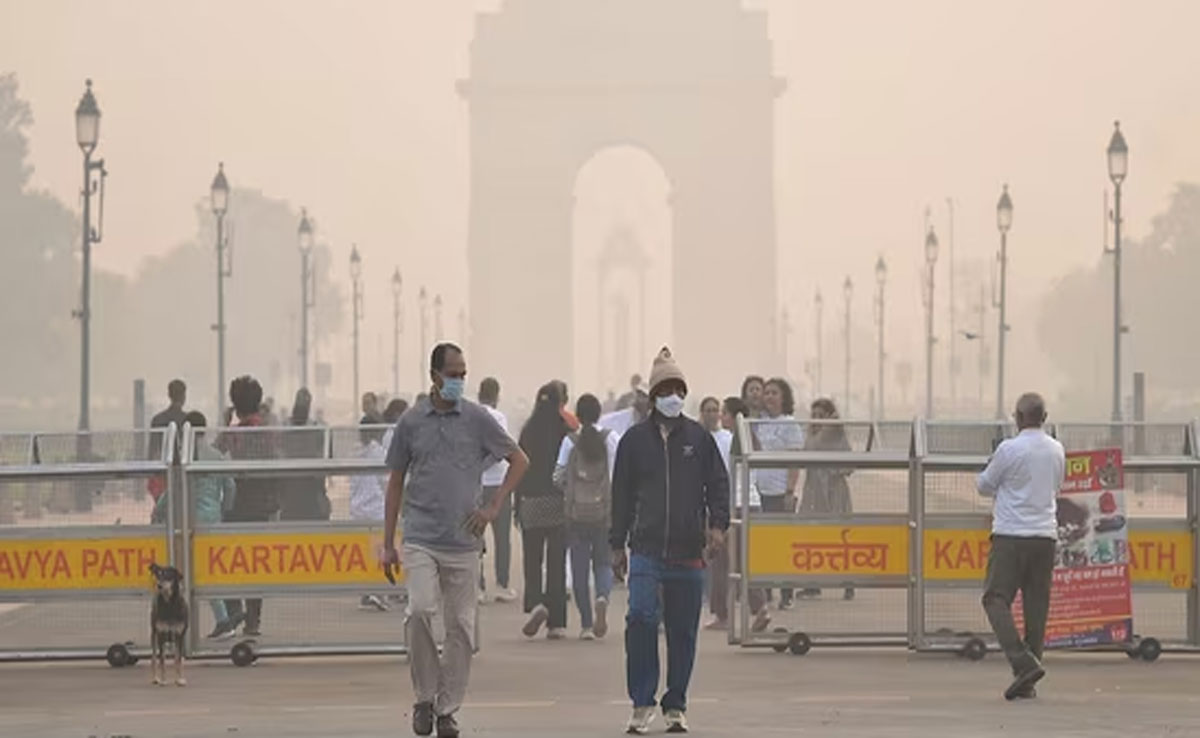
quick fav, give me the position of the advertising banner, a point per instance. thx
(1090, 602)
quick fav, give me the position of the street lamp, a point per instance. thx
(397, 318)
(437, 318)
(819, 305)
(87, 135)
(423, 304)
(1118, 167)
(848, 291)
(880, 283)
(219, 199)
(931, 255)
(1004, 211)
(305, 237)
(357, 298)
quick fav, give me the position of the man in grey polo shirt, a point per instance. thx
(438, 453)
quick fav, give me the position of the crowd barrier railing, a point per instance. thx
(77, 540)
(925, 592)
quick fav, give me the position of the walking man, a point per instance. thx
(438, 453)
(493, 477)
(1024, 475)
(671, 507)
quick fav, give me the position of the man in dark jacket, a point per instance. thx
(670, 505)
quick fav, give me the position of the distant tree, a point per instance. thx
(1160, 302)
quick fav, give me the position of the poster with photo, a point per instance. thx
(1090, 601)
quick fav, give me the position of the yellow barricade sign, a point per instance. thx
(79, 563)
(1161, 557)
(287, 559)
(796, 550)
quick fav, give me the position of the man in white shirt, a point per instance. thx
(1024, 476)
(622, 420)
(493, 477)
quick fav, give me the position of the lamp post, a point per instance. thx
(848, 292)
(357, 298)
(305, 237)
(931, 254)
(819, 305)
(219, 199)
(397, 326)
(87, 135)
(1004, 211)
(880, 283)
(423, 304)
(438, 335)
(1118, 167)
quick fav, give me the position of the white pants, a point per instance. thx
(453, 577)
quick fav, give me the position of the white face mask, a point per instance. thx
(669, 406)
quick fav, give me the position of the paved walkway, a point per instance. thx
(571, 688)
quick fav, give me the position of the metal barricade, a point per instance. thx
(76, 541)
(312, 567)
(953, 523)
(843, 543)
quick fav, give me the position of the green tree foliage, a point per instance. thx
(1160, 303)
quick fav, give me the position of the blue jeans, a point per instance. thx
(590, 554)
(682, 592)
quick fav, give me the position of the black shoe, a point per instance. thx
(224, 630)
(848, 594)
(1024, 681)
(423, 718)
(447, 726)
(1029, 693)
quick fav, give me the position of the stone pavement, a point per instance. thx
(571, 688)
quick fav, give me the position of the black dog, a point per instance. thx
(168, 622)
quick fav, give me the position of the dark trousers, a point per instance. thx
(770, 504)
(502, 532)
(682, 593)
(718, 593)
(1024, 565)
(549, 589)
(253, 607)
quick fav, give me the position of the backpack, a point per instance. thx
(589, 490)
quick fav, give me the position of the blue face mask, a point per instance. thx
(452, 388)
(669, 406)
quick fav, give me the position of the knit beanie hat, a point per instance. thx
(665, 368)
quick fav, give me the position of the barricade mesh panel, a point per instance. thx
(964, 438)
(954, 492)
(1151, 439)
(1149, 494)
(875, 611)
(94, 623)
(321, 619)
(74, 502)
(99, 446)
(16, 449)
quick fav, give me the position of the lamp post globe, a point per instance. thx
(1004, 211)
(219, 192)
(1118, 155)
(305, 232)
(87, 121)
(931, 248)
(397, 282)
(355, 263)
(880, 271)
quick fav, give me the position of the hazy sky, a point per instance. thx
(351, 110)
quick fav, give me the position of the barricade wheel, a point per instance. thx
(974, 649)
(1150, 649)
(780, 647)
(132, 659)
(242, 654)
(799, 644)
(118, 655)
(1134, 651)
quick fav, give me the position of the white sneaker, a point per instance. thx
(587, 635)
(676, 721)
(483, 597)
(506, 595)
(556, 634)
(639, 722)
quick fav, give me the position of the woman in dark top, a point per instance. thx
(542, 517)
